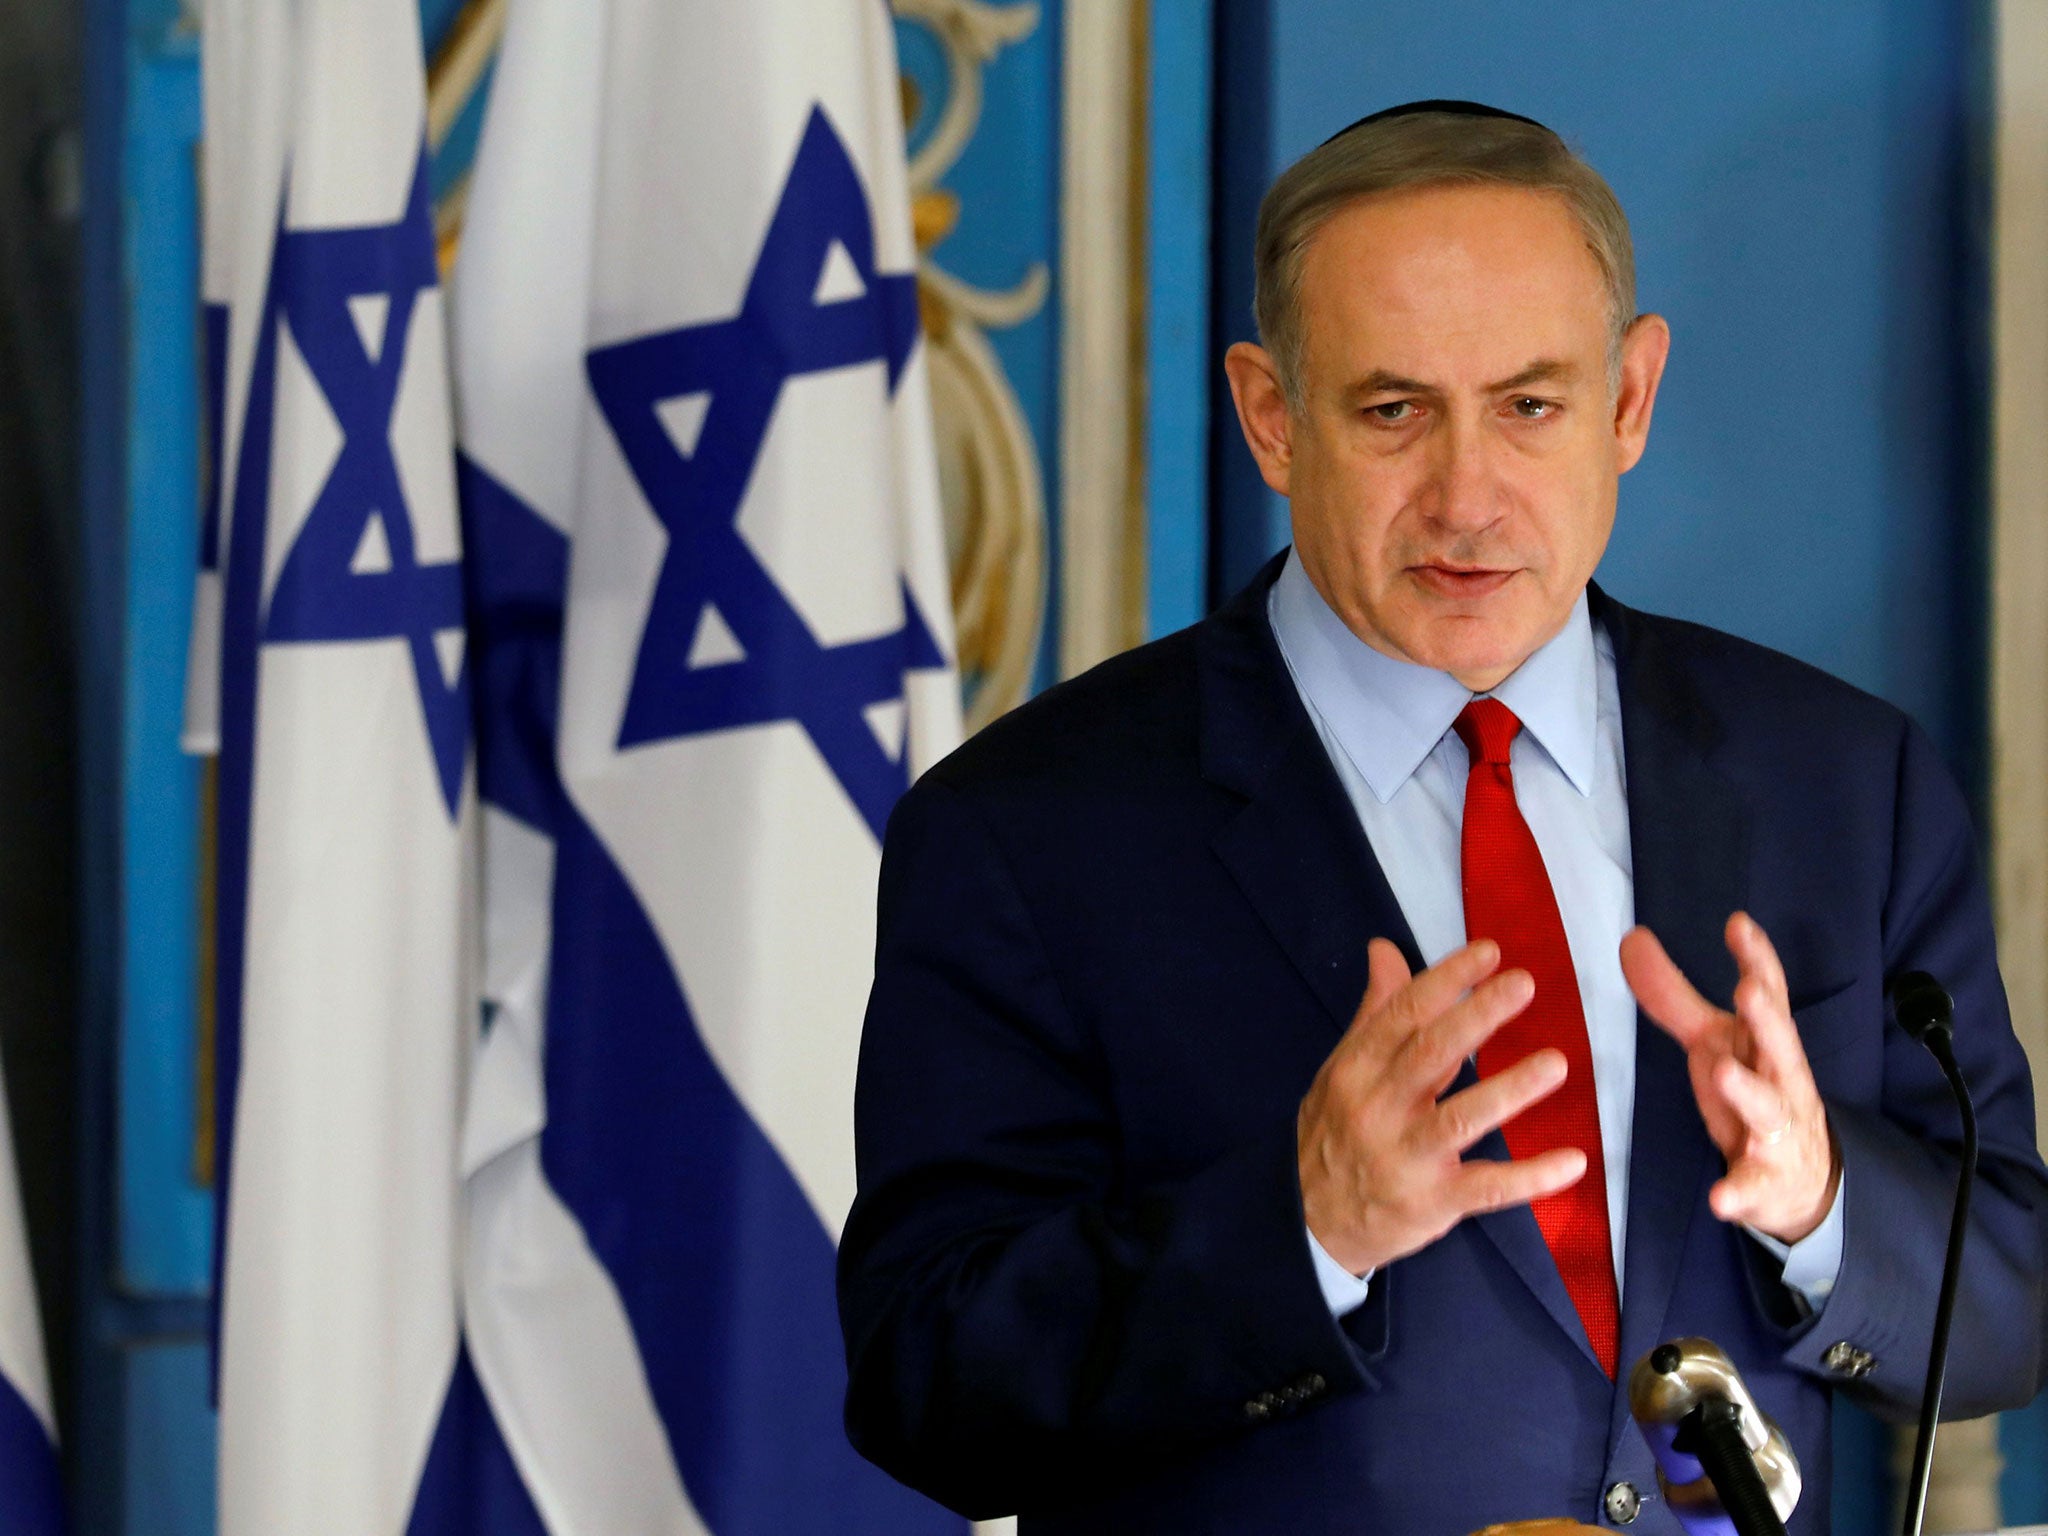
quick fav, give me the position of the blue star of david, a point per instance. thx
(783, 331)
(319, 596)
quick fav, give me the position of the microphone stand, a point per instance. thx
(1926, 1012)
(1712, 1434)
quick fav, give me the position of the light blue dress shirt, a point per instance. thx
(1387, 727)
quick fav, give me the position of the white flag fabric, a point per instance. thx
(711, 634)
(341, 711)
(31, 1501)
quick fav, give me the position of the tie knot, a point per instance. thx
(1488, 728)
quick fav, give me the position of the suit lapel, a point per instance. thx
(1520, 1241)
(1305, 866)
(1689, 843)
(1295, 847)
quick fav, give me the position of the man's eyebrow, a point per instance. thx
(1545, 370)
(1381, 382)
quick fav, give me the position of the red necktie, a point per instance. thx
(1508, 899)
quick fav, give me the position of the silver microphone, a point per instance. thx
(1724, 1468)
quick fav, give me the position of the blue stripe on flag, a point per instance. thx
(214, 347)
(517, 570)
(723, 1267)
(241, 618)
(31, 1494)
(725, 1271)
(470, 1485)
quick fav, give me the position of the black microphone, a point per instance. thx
(1927, 1013)
(1725, 1469)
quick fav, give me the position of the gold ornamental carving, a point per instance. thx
(989, 478)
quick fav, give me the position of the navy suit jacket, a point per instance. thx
(1121, 929)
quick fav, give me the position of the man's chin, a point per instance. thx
(1479, 650)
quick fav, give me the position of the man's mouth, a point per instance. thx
(1461, 581)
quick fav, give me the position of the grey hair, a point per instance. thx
(1424, 149)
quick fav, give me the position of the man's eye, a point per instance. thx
(1531, 409)
(1393, 411)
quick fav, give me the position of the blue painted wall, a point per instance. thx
(1805, 183)
(1800, 182)
(1177, 169)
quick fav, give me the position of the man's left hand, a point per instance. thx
(1749, 1074)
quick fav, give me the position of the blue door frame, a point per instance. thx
(139, 1434)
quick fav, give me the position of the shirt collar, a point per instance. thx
(1388, 714)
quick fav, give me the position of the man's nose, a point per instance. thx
(1464, 494)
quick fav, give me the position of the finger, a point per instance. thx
(1449, 979)
(1763, 1109)
(1741, 1194)
(1431, 1056)
(1776, 1049)
(1486, 1106)
(1437, 988)
(1755, 955)
(1388, 973)
(1666, 996)
(1485, 1184)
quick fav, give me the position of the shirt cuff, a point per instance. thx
(1342, 1291)
(1814, 1263)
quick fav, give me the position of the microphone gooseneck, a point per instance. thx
(1926, 1012)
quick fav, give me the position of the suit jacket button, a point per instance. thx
(1623, 1503)
(1845, 1359)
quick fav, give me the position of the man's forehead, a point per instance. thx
(1473, 291)
(1434, 210)
(1418, 245)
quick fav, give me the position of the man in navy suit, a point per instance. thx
(1160, 1226)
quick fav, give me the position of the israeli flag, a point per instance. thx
(712, 643)
(31, 1501)
(336, 688)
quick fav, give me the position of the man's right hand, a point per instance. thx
(1379, 1153)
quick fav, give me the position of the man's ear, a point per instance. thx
(1261, 410)
(1645, 346)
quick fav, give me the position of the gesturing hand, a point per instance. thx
(1381, 1174)
(1749, 1074)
